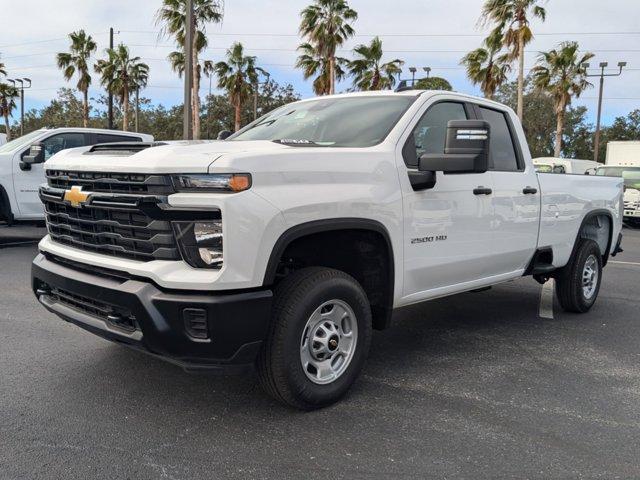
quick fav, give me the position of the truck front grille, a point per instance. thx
(133, 183)
(111, 223)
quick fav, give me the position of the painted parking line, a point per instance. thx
(546, 300)
(635, 264)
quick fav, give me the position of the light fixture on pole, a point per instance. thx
(428, 70)
(602, 66)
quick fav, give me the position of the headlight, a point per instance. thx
(218, 182)
(201, 243)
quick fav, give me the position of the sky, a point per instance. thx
(424, 33)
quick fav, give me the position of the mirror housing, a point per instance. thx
(466, 149)
(35, 155)
(224, 134)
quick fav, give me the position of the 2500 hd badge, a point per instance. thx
(432, 238)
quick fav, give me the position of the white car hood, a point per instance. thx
(176, 157)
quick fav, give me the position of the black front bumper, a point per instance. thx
(236, 323)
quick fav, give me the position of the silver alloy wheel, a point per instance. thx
(328, 342)
(590, 277)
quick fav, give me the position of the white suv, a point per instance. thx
(20, 179)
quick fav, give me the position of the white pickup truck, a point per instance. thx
(21, 172)
(284, 245)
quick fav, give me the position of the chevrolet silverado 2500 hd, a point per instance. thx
(284, 245)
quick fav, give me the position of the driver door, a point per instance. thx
(447, 229)
(27, 182)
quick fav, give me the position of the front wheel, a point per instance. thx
(578, 284)
(318, 339)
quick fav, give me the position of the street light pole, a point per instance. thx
(255, 95)
(603, 65)
(187, 130)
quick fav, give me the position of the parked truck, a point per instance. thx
(21, 171)
(623, 160)
(285, 245)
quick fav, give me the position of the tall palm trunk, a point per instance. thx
(520, 76)
(332, 74)
(85, 108)
(125, 108)
(375, 81)
(238, 124)
(195, 98)
(559, 130)
(6, 126)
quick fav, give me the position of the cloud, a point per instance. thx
(432, 33)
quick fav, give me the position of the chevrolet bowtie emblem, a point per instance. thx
(76, 197)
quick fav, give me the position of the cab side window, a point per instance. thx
(429, 134)
(503, 157)
(62, 141)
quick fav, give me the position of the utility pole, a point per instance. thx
(603, 65)
(187, 128)
(255, 95)
(110, 95)
(413, 71)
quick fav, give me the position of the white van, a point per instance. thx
(21, 177)
(565, 165)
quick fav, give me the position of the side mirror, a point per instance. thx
(466, 149)
(224, 134)
(35, 155)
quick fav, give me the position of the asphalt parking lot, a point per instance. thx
(474, 386)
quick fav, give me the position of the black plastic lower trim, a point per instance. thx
(237, 322)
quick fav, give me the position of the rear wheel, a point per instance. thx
(318, 339)
(578, 284)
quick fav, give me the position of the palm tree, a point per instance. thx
(3, 70)
(81, 49)
(561, 74)
(238, 76)
(486, 67)
(367, 71)
(512, 17)
(8, 95)
(122, 74)
(173, 16)
(326, 25)
(313, 64)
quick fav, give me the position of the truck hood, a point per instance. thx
(176, 157)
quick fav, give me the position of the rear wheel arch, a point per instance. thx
(367, 243)
(596, 226)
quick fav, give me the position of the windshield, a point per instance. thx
(20, 142)
(331, 122)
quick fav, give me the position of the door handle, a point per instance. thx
(482, 191)
(530, 191)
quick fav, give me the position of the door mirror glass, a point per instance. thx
(35, 154)
(466, 149)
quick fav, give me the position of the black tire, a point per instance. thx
(296, 298)
(569, 282)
